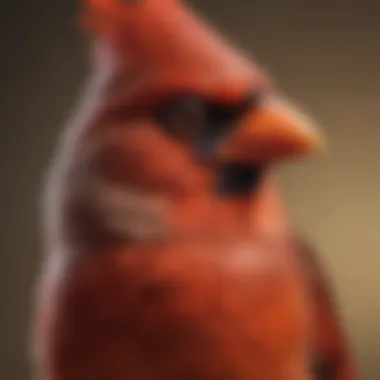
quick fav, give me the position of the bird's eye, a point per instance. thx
(182, 115)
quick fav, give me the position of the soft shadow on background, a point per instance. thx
(325, 55)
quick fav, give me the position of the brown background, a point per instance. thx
(325, 54)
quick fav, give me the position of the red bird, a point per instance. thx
(169, 255)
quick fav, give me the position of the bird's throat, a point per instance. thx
(238, 180)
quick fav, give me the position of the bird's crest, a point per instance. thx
(107, 16)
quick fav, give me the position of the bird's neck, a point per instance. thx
(199, 217)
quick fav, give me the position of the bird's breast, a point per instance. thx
(200, 311)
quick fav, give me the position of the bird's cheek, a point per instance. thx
(147, 161)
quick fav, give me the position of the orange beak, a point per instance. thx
(274, 131)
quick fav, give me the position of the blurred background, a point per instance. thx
(325, 55)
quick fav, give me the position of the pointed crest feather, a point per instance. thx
(106, 17)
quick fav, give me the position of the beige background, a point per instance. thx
(324, 54)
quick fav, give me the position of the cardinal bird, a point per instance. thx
(169, 254)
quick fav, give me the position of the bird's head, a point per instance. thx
(179, 113)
